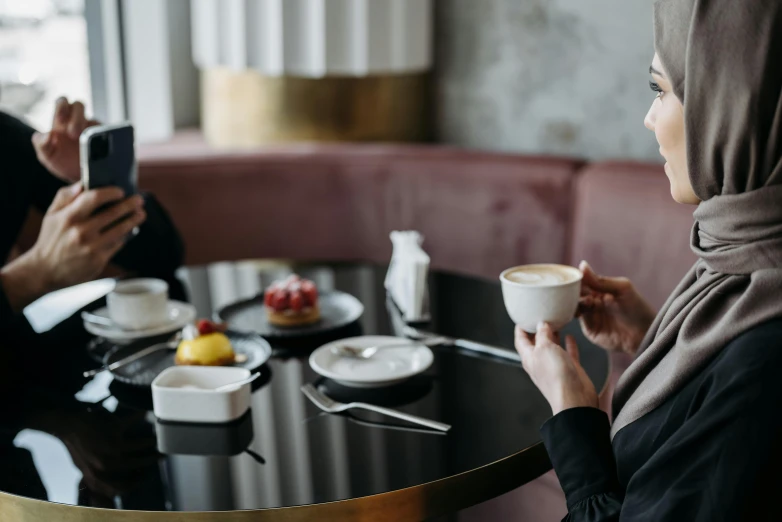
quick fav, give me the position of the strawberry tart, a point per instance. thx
(292, 302)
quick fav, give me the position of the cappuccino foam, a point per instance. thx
(541, 275)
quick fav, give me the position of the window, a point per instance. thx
(43, 55)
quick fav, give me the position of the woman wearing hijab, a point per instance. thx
(698, 415)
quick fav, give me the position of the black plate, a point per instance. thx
(143, 371)
(337, 309)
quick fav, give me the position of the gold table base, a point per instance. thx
(416, 503)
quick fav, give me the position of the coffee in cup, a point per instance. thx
(541, 293)
(138, 304)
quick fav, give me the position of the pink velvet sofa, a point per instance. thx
(480, 212)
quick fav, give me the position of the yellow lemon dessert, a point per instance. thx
(212, 349)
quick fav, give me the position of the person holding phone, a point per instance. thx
(76, 243)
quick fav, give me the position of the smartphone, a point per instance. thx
(108, 158)
(107, 155)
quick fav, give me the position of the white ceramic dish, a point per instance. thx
(179, 314)
(385, 368)
(187, 394)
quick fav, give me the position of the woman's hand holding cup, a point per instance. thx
(613, 314)
(557, 373)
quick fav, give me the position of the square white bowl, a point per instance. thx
(187, 394)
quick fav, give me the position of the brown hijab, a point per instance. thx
(724, 59)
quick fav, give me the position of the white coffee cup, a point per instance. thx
(541, 293)
(138, 304)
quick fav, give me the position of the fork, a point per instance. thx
(329, 405)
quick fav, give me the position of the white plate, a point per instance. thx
(179, 314)
(386, 367)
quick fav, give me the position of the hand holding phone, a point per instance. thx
(75, 243)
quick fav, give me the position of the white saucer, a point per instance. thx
(179, 314)
(386, 367)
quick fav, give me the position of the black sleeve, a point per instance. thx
(25, 182)
(157, 251)
(578, 441)
(12, 325)
(710, 469)
(41, 185)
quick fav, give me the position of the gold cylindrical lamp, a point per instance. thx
(304, 70)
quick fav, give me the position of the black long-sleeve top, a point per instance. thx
(157, 251)
(711, 452)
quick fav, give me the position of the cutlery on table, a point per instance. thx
(168, 345)
(366, 352)
(329, 405)
(236, 384)
(464, 344)
(394, 426)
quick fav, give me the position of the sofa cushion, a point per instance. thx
(482, 213)
(627, 224)
(479, 212)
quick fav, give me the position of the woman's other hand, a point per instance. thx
(556, 372)
(58, 149)
(613, 314)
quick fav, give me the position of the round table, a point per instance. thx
(70, 443)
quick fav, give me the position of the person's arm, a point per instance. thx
(578, 441)
(156, 251)
(41, 186)
(16, 281)
(12, 321)
(20, 285)
(707, 471)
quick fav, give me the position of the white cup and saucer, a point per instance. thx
(138, 308)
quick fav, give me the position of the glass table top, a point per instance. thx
(95, 442)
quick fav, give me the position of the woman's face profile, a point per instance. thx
(666, 119)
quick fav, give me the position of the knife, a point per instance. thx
(472, 346)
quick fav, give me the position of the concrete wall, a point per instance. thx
(546, 76)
